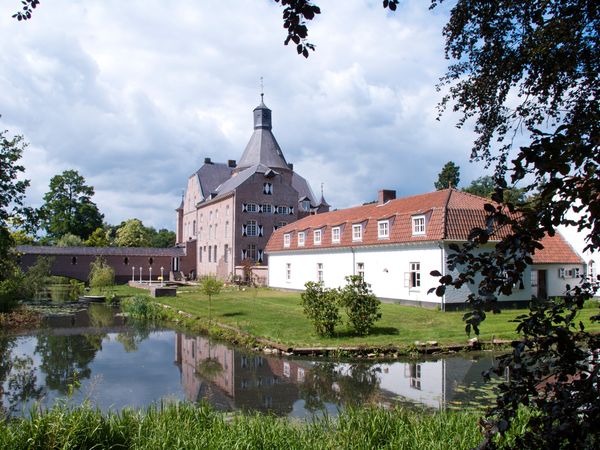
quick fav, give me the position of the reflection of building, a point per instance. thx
(231, 379)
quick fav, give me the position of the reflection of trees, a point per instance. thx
(132, 338)
(209, 368)
(347, 384)
(62, 356)
(20, 376)
(100, 315)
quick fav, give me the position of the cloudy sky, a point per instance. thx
(134, 95)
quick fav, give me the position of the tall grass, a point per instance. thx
(189, 426)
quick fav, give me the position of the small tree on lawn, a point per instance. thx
(210, 286)
(102, 276)
(321, 307)
(361, 304)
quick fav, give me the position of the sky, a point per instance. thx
(134, 95)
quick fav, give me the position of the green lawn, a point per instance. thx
(278, 316)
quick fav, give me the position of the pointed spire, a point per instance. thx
(323, 202)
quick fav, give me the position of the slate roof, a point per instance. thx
(556, 251)
(211, 175)
(101, 251)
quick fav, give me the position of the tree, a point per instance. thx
(68, 208)
(321, 306)
(69, 240)
(132, 233)
(485, 187)
(99, 238)
(12, 191)
(102, 276)
(448, 177)
(210, 286)
(162, 238)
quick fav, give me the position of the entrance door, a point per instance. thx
(542, 291)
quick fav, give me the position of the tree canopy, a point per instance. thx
(132, 233)
(448, 177)
(68, 207)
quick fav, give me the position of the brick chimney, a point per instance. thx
(385, 195)
(231, 162)
(207, 161)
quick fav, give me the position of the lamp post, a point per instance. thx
(140, 274)
(150, 276)
(133, 273)
(162, 278)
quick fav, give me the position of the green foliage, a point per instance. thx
(102, 276)
(362, 307)
(68, 207)
(321, 307)
(140, 307)
(448, 177)
(69, 240)
(37, 277)
(133, 233)
(184, 425)
(486, 187)
(162, 238)
(99, 238)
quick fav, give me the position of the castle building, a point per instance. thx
(230, 210)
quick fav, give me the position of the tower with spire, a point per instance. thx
(231, 209)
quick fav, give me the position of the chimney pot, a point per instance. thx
(207, 161)
(231, 163)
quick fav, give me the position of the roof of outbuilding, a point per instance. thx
(101, 251)
(556, 251)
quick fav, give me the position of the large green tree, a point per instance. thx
(68, 207)
(133, 233)
(485, 186)
(448, 177)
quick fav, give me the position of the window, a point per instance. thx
(281, 224)
(150, 261)
(288, 271)
(357, 232)
(282, 210)
(286, 240)
(216, 215)
(226, 230)
(215, 235)
(534, 278)
(561, 272)
(200, 234)
(210, 233)
(267, 188)
(251, 207)
(383, 229)
(418, 225)
(251, 228)
(194, 228)
(415, 376)
(74, 260)
(126, 260)
(301, 239)
(200, 254)
(227, 211)
(225, 252)
(413, 278)
(267, 208)
(251, 253)
(335, 235)
(306, 205)
(210, 216)
(317, 237)
(360, 270)
(209, 253)
(215, 253)
(320, 272)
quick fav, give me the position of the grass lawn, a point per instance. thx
(278, 316)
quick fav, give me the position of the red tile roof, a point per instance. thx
(556, 251)
(449, 214)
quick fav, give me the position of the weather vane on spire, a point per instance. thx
(262, 88)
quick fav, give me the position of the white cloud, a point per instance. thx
(135, 94)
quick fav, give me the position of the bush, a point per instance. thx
(361, 304)
(37, 277)
(141, 308)
(321, 307)
(102, 276)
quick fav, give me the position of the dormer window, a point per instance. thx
(335, 235)
(357, 232)
(286, 240)
(306, 205)
(301, 237)
(418, 225)
(383, 229)
(317, 237)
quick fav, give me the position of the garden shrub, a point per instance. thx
(321, 307)
(360, 303)
(102, 276)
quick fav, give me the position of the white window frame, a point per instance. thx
(336, 234)
(319, 272)
(413, 278)
(288, 272)
(251, 207)
(383, 229)
(357, 232)
(306, 205)
(418, 225)
(267, 208)
(268, 188)
(317, 237)
(251, 228)
(301, 238)
(287, 239)
(360, 269)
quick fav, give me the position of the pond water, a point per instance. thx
(94, 354)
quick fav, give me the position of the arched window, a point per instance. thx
(74, 260)
(150, 260)
(126, 260)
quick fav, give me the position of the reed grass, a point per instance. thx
(190, 426)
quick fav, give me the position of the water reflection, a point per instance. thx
(121, 365)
